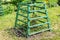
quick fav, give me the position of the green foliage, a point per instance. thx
(8, 9)
(20, 0)
(53, 1)
(59, 2)
(17, 0)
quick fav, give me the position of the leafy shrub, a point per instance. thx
(50, 2)
(8, 8)
(58, 2)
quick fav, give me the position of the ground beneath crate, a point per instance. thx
(8, 34)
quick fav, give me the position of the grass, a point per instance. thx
(7, 22)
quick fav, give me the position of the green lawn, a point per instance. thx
(7, 22)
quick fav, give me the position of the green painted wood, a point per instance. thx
(28, 15)
(39, 31)
(22, 27)
(37, 11)
(47, 17)
(21, 21)
(22, 15)
(39, 6)
(28, 12)
(39, 25)
(38, 18)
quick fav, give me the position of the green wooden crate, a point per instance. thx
(32, 18)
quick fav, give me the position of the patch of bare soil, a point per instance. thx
(11, 34)
(40, 36)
